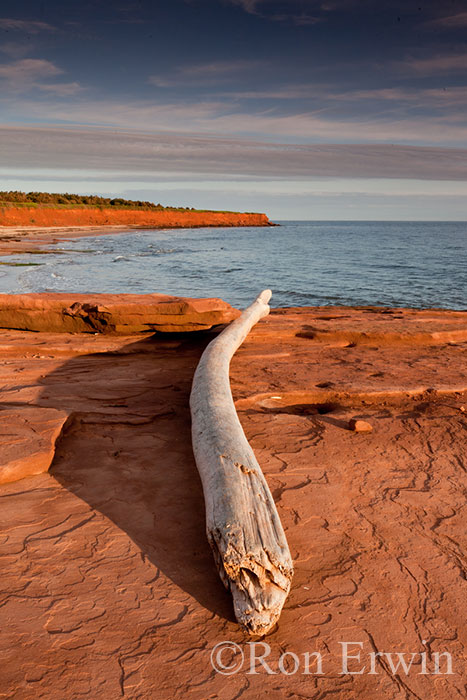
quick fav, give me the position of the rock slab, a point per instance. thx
(120, 314)
(27, 440)
(109, 589)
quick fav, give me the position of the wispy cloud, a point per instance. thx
(309, 12)
(28, 70)
(457, 21)
(432, 97)
(295, 14)
(223, 117)
(207, 73)
(60, 89)
(290, 91)
(300, 20)
(220, 67)
(434, 65)
(132, 153)
(27, 26)
(315, 127)
(250, 6)
(16, 49)
(34, 73)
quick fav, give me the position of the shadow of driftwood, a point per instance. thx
(126, 451)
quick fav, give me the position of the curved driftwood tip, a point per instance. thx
(265, 296)
(242, 523)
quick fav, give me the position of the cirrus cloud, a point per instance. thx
(457, 21)
(127, 152)
(28, 70)
(33, 74)
(206, 73)
(433, 65)
(28, 26)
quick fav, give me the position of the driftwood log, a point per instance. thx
(242, 523)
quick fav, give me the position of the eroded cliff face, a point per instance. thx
(46, 216)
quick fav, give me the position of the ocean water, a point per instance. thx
(304, 263)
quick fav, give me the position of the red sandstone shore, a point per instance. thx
(24, 228)
(109, 589)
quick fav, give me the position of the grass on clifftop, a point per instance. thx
(72, 201)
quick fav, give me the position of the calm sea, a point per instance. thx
(303, 262)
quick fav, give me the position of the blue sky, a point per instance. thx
(337, 109)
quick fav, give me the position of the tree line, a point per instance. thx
(55, 198)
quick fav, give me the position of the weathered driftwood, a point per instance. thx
(242, 522)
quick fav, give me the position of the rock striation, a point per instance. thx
(122, 314)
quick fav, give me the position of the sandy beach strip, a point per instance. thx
(31, 239)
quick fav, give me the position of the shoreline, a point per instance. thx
(30, 228)
(31, 239)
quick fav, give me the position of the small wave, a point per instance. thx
(158, 251)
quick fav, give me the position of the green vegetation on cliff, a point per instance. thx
(55, 199)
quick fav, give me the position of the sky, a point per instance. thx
(305, 109)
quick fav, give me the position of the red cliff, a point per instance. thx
(94, 216)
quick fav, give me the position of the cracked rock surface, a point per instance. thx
(108, 585)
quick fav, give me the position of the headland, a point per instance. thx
(28, 225)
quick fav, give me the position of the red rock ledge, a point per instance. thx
(116, 314)
(109, 588)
